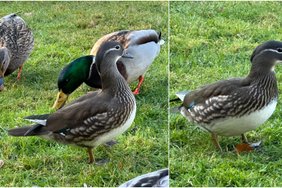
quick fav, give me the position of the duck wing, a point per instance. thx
(90, 110)
(215, 101)
(220, 88)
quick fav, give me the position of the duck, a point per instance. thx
(235, 106)
(16, 44)
(94, 118)
(159, 178)
(144, 45)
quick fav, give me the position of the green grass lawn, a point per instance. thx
(212, 41)
(64, 31)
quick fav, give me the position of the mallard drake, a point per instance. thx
(235, 106)
(94, 118)
(16, 43)
(144, 45)
(158, 178)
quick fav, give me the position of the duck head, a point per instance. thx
(266, 56)
(71, 77)
(110, 52)
(4, 63)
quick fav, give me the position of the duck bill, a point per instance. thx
(126, 55)
(1, 83)
(60, 100)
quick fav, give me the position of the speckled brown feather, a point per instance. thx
(18, 38)
(224, 87)
(125, 39)
(234, 97)
(119, 36)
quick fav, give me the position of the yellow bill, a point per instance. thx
(60, 100)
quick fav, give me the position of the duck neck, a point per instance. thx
(113, 81)
(263, 79)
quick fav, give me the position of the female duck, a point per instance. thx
(235, 106)
(16, 43)
(94, 118)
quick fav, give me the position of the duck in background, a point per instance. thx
(16, 44)
(235, 106)
(159, 178)
(144, 45)
(94, 118)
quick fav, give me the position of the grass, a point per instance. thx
(212, 41)
(64, 31)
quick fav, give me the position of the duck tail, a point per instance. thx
(34, 130)
(181, 94)
(161, 41)
(38, 119)
(174, 100)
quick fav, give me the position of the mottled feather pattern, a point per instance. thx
(116, 36)
(232, 103)
(127, 38)
(158, 178)
(121, 37)
(18, 38)
(106, 120)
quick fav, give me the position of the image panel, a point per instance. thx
(93, 76)
(228, 133)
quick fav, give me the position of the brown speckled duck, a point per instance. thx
(235, 106)
(96, 117)
(16, 43)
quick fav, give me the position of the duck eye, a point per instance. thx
(117, 47)
(279, 49)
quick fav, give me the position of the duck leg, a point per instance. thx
(20, 71)
(215, 141)
(141, 79)
(244, 139)
(91, 157)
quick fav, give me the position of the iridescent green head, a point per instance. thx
(71, 77)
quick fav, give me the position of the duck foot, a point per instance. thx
(111, 143)
(101, 162)
(247, 147)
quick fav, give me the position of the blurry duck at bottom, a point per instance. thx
(159, 178)
(16, 44)
(144, 45)
(235, 106)
(94, 118)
